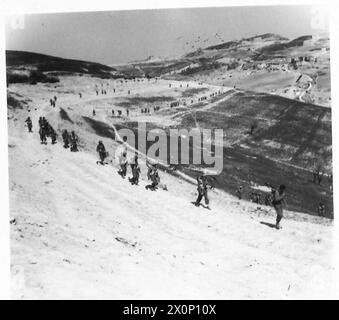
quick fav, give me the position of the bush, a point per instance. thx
(36, 77)
(16, 78)
(14, 103)
(33, 78)
(233, 65)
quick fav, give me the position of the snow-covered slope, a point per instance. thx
(81, 231)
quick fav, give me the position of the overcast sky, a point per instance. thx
(122, 36)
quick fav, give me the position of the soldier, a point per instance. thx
(45, 122)
(134, 160)
(74, 141)
(112, 113)
(153, 175)
(29, 124)
(150, 167)
(123, 163)
(257, 197)
(135, 171)
(43, 129)
(278, 201)
(330, 180)
(65, 137)
(252, 129)
(93, 112)
(321, 209)
(251, 196)
(52, 134)
(40, 122)
(102, 151)
(202, 191)
(268, 199)
(239, 193)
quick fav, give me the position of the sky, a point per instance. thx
(114, 37)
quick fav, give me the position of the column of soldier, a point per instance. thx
(46, 130)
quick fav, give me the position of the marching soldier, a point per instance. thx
(29, 124)
(102, 151)
(65, 138)
(202, 191)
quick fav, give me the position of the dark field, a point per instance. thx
(302, 132)
(304, 128)
(153, 99)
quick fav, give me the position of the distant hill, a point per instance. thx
(265, 46)
(21, 64)
(266, 36)
(225, 45)
(279, 46)
(263, 37)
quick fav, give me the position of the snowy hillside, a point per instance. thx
(78, 230)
